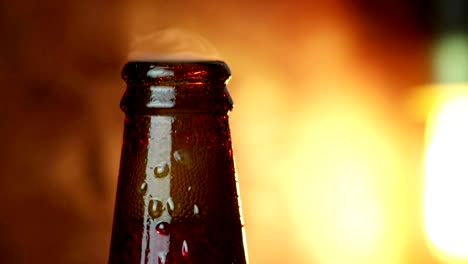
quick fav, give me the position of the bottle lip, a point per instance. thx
(213, 71)
(178, 61)
(161, 86)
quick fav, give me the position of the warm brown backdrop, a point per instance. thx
(296, 65)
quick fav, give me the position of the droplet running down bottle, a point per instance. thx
(177, 196)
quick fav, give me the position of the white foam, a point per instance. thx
(172, 45)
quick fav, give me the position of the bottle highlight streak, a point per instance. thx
(177, 199)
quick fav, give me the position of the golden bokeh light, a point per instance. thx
(446, 175)
(343, 199)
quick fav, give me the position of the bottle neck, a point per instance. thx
(171, 87)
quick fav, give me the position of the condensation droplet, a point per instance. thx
(185, 248)
(185, 138)
(143, 187)
(162, 170)
(155, 208)
(182, 157)
(196, 210)
(163, 228)
(145, 141)
(170, 204)
(162, 258)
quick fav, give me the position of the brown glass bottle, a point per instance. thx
(177, 199)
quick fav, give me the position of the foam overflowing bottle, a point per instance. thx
(177, 195)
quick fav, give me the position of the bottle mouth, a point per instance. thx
(157, 87)
(175, 71)
(170, 57)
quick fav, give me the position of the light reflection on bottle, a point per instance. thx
(158, 169)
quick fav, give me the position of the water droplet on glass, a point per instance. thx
(196, 210)
(185, 138)
(162, 258)
(163, 228)
(155, 208)
(162, 170)
(145, 141)
(143, 187)
(182, 157)
(185, 248)
(170, 204)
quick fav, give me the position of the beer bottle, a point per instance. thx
(177, 197)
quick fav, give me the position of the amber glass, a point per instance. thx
(177, 199)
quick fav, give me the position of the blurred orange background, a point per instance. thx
(328, 151)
